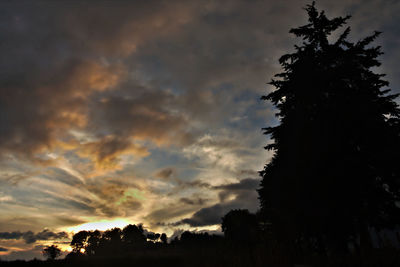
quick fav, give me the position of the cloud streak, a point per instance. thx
(29, 237)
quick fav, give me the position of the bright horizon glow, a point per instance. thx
(101, 225)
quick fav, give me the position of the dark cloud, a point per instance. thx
(244, 196)
(147, 115)
(181, 185)
(207, 216)
(3, 249)
(244, 184)
(66, 67)
(30, 237)
(165, 173)
(178, 232)
(167, 213)
(27, 129)
(131, 204)
(190, 184)
(105, 151)
(54, 57)
(193, 201)
(68, 221)
(231, 196)
(59, 61)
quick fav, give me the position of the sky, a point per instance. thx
(118, 112)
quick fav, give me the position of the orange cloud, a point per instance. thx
(105, 152)
(50, 106)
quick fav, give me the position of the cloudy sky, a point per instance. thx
(144, 111)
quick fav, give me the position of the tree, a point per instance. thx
(164, 238)
(240, 226)
(153, 237)
(334, 172)
(134, 235)
(51, 252)
(80, 241)
(93, 243)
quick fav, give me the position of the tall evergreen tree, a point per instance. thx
(335, 170)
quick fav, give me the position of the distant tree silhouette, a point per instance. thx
(111, 242)
(195, 240)
(240, 226)
(51, 252)
(335, 170)
(94, 243)
(192, 238)
(80, 241)
(163, 238)
(153, 236)
(134, 235)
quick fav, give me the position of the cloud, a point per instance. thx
(35, 252)
(60, 67)
(41, 111)
(147, 115)
(241, 195)
(57, 61)
(165, 173)
(110, 197)
(167, 213)
(178, 232)
(228, 152)
(244, 184)
(106, 151)
(193, 201)
(206, 216)
(15, 178)
(3, 249)
(29, 237)
(5, 198)
(61, 175)
(68, 221)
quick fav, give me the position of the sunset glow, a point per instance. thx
(99, 225)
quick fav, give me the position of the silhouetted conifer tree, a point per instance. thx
(335, 170)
